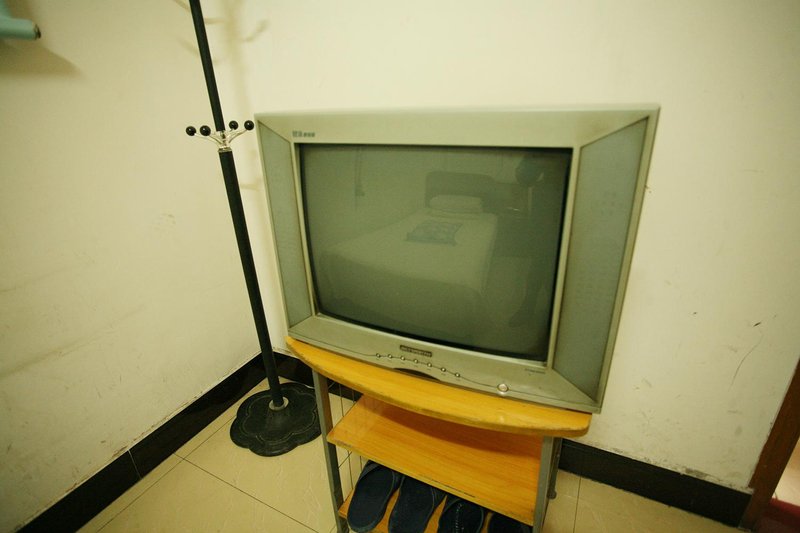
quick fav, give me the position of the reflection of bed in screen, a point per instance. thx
(425, 274)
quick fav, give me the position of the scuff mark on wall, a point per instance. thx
(696, 473)
(98, 334)
(82, 261)
(751, 350)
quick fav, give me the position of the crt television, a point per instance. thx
(488, 249)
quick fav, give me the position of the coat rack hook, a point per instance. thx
(221, 138)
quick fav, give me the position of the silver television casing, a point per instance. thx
(611, 149)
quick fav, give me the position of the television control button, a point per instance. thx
(502, 387)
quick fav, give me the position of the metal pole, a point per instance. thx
(237, 212)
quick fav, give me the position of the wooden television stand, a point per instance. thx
(498, 452)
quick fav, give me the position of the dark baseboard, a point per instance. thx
(655, 483)
(91, 497)
(95, 494)
(87, 500)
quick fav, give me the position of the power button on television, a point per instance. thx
(502, 387)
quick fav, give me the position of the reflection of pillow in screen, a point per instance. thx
(453, 203)
(449, 214)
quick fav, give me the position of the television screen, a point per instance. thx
(455, 245)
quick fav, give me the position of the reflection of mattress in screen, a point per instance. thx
(424, 275)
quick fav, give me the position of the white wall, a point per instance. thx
(121, 293)
(708, 338)
(121, 297)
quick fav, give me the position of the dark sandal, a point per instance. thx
(502, 524)
(414, 507)
(460, 516)
(374, 487)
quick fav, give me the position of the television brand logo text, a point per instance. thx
(415, 351)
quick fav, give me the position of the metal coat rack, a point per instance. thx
(275, 421)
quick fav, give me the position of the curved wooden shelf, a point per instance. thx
(497, 470)
(445, 402)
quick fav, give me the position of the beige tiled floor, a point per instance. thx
(788, 489)
(210, 484)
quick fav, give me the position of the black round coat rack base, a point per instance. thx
(269, 432)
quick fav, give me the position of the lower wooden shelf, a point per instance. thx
(496, 470)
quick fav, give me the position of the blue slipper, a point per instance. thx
(503, 524)
(414, 507)
(374, 487)
(460, 516)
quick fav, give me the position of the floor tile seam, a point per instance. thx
(575, 510)
(250, 495)
(577, 502)
(226, 424)
(349, 473)
(170, 469)
(346, 455)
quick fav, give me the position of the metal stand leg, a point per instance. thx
(331, 458)
(549, 449)
(551, 489)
